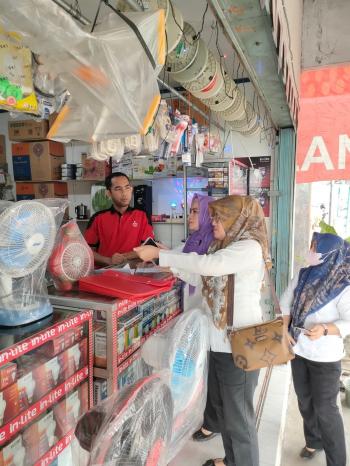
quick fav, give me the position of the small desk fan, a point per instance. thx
(183, 350)
(71, 258)
(130, 428)
(27, 236)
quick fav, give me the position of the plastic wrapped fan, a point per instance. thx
(133, 144)
(182, 350)
(27, 237)
(131, 428)
(16, 84)
(97, 72)
(71, 257)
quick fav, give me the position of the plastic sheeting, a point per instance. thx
(131, 427)
(27, 236)
(108, 74)
(182, 351)
(71, 257)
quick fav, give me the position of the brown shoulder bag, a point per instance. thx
(260, 345)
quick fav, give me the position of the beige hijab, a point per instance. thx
(242, 218)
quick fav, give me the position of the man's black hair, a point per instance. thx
(108, 180)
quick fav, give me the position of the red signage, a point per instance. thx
(323, 143)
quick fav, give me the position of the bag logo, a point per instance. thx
(277, 337)
(268, 357)
(250, 343)
(241, 361)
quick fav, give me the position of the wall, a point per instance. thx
(326, 33)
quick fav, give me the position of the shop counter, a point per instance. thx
(45, 385)
(120, 327)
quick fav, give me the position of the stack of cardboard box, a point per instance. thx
(36, 161)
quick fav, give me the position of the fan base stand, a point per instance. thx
(15, 317)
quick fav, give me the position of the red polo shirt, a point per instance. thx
(109, 232)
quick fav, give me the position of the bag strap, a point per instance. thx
(231, 299)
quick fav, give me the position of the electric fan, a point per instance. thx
(209, 83)
(223, 100)
(130, 428)
(174, 22)
(197, 67)
(71, 258)
(182, 350)
(27, 235)
(185, 52)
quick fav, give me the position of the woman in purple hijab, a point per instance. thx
(200, 225)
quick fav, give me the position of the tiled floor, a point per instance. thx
(271, 426)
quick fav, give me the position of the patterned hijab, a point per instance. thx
(242, 218)
(320, 284)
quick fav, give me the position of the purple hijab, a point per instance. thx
(200, 240)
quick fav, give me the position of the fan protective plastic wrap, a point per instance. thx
(130, 428)
(182, 350)
(71, 258)
(111, 80)
(27, 236)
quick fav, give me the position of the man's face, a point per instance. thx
(120, 192)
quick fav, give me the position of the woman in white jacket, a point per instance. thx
(240, 248)
(316, 308)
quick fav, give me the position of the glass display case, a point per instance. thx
(45, 385)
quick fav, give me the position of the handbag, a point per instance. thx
(260, 345)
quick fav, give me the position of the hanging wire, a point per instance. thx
(96, 16)
(199, 33)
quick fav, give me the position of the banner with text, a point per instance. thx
(323, 138)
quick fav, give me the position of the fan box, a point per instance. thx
(28, 130)
(26, 191)
(93, 169)
(37, 161)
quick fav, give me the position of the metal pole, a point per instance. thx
(76, 15)
(185, 202)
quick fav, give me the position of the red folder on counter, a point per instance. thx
(125, 286)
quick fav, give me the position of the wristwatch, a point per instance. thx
(325, 331)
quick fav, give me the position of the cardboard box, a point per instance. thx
(25, 191)
(94, 170)
(2, 150)
(37, 161)
(143, 167)
(28, 130)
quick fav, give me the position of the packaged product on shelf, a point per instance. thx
(68, 410)
(100, 345)
(93, 169)
(100, 390)
(131, 374)
(129, 332)
(26, 387)
(123, 165)
(62, 342)
(8, 374)
(27, 130)
(49, 374)
(2, 149)
(143, 166)
(14, 453)
(39, 437)
(9, 405)
(76, 357)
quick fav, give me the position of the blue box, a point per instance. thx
(21, 168)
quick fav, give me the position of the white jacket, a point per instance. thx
(242, 258)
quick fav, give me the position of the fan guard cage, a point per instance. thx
(27, 235)
(76, 261)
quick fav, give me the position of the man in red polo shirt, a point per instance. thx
(113, 233)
